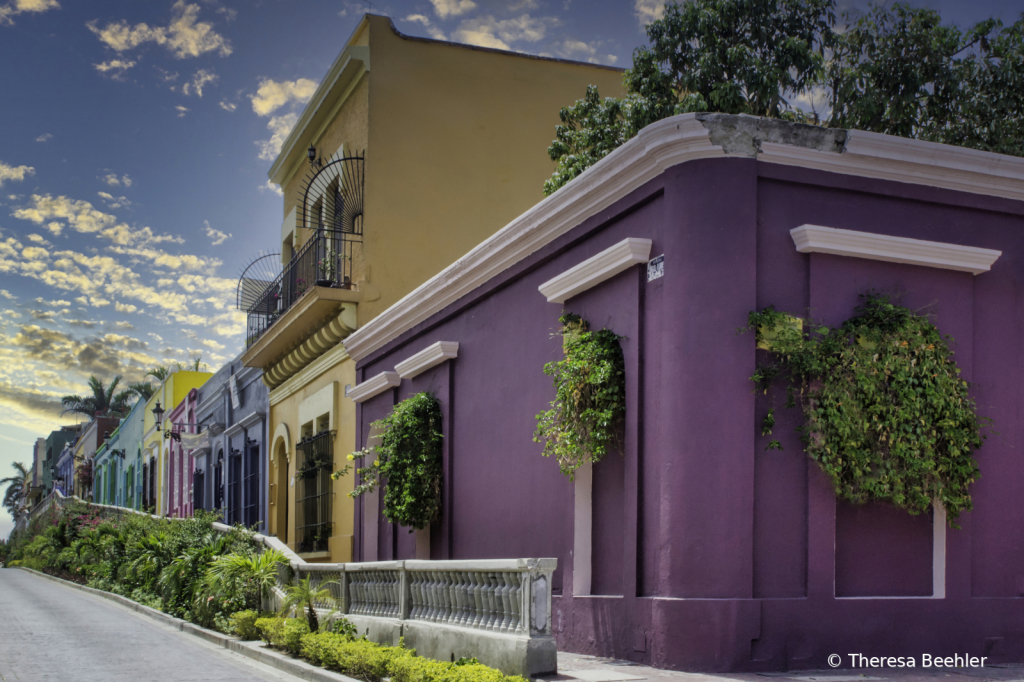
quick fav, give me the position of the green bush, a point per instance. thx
(361, 659)
(243, 624)
(283, 633)
(416, 669)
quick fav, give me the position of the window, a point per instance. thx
(313, 491)
(199, 489)
(218, 481)
(235, 487)
(251, 515)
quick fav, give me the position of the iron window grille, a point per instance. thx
(251, 514)
(199, 489)
(145, 488)
(218, 482)
(152, 483)
(314, 492)
(326, 259)
(235, 487)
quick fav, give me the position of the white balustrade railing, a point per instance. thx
(503, 596)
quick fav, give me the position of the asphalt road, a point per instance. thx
(49, 631)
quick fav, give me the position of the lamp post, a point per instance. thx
(158, 412)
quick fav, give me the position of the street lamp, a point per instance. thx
(158, 412)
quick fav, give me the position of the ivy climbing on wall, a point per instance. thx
(886, 414)
(409, 458)
(587, 416)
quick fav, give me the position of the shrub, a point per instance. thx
(283, 633)
(343, 626)
(360, 659)
(415, 669)
(243, 624)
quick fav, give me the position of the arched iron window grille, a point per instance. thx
(331, 213)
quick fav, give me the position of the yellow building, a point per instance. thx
(438, 145)
(154, 475)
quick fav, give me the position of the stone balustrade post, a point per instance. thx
(404, 593)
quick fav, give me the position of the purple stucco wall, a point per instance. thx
(709, 552)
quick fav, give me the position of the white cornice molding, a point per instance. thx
(430, 356)
(658, 147)
(596, 269)
(886, 157)
(817, 239)
(252, 419)
(374, 385)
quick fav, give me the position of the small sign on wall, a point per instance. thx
(655, 268)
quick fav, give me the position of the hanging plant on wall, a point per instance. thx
(409, 458)
(587, 415)
(886, 414)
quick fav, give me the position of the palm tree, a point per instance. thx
(143, 389)
(103, 401)
(304, 595)
(252, 574)
(159, 372)
(15, 488)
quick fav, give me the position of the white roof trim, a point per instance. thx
(374, 385)
(596, 269)
(817, 239)
(430, 356)
(899, 159)
(657, 147)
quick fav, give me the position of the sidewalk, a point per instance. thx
(573, 667)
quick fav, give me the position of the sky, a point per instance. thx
(135, 140)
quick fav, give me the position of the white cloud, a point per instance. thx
(24, 6)
(500, 33)
(649, 10)
(181, 110)
(434, 31)
(269, 186)
(40, 239)
(216, 236)
(83, 217)
(114, 181)
(6, 294)
(16, 173)
(115, 68)
(280, 127)
(199, 80)
(272, 95)
(452, 8)
(228, 106)
(185, 37)
(45, 137)
(572, 47)
(112, 201)
(125, 307)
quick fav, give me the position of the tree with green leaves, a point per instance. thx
(896, 70)
(105, 401)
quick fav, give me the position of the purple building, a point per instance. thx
(696, 548)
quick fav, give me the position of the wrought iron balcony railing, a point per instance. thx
(324, 261)
(332, 207)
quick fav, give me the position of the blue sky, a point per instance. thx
(136, 139)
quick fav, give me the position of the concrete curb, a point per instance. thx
(254, 650)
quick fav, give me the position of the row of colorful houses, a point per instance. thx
(416, 257)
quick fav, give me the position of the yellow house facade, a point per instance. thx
(154, 475)
(437, 146)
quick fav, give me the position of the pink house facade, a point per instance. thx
(180, 464)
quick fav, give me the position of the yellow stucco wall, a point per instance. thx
(456, 147)
(285, 411)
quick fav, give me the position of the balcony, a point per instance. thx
(324, 261)
(309, 306)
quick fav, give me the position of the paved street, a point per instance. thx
(49, 631)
